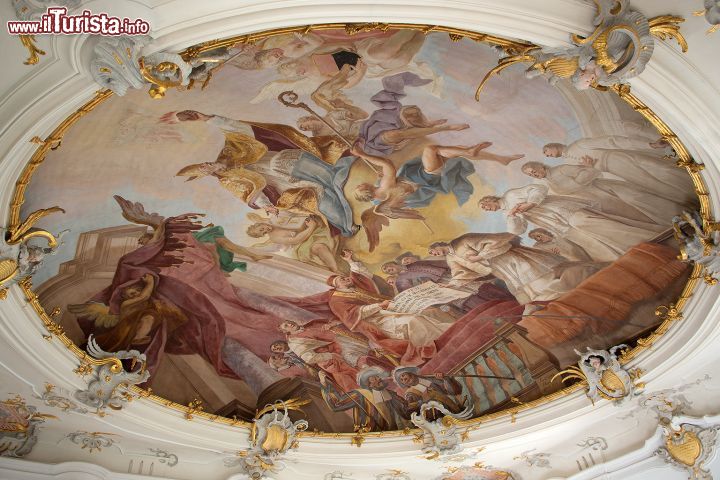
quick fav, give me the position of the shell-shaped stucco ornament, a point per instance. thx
(115, 64)
(109, 384)
(605, 376)
(272, 435)
(440, 436)
(9, 262)
(699, 242)
(688, 447)
(618, 49)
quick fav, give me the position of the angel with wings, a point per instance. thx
(171, 296)
(140, 313)
(398, 192)
(130, 310)
(369, 54)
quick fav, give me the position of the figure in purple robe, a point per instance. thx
(393, 125)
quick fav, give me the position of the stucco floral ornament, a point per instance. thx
(115, 63)
(110, 383)
(18, 427)
(273, 433)
(118, 64)
(441, 436)
(32, 10)
(618, 49)
(605, 376)
(18, 259)
(92, 441)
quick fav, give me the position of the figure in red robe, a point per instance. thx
(353, 300)
(187, 280)
(322, 349)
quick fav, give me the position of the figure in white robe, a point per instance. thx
(603, 236)
(545, 240)
(634, 159)
(529, 274)
(616, 197)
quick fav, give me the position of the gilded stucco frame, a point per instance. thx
(671, 315)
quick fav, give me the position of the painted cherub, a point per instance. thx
(439, 170)
(698, 245)
(311, 242)
(31, 257)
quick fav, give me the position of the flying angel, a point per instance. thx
(376, 217)
(398, 192)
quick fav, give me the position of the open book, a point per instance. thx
(420, 297)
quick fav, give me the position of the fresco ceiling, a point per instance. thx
(334, 217)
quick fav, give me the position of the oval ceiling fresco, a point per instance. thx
(334, 217)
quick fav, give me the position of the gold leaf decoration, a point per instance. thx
(667, 26)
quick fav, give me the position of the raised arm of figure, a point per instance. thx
(387, 169)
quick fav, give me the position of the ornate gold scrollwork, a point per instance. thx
(618, 49)
(667, 26)
(669, 312)
(154, 74)
(28, 42)
(20, 233)
(54, 144)
(355, 28)
(502, 65)
(85, 368)
(194, 406)
(11, 266)
(359, 437)
(690, 165)
(600, 45)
